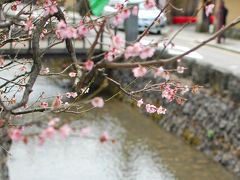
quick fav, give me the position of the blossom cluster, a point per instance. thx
(150, 108)
(138, 49)
(64, 31)
(50, 7)
(52, 129)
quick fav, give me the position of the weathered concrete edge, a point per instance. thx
(206, 121)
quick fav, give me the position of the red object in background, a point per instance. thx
(184, 19)
(211, 19)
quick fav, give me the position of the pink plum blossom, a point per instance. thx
(82, 31)
(110, 55)
(119, 6)
(71, 94)
(180, 69)
(16, 134)
(161, 110)
(209, 9)
(50, 7)
(151, 108)
(104, 137)
(14, 5)
(61, 25)
(147, 52)
(148, 4)
(118, 19)
(43, 104)
(97, 102)
(65, 131)
(139, 71)
(133, 51)
(117, 41)
(63, 31)
(28, 25)
(72, 74)
(88, 65)
(168, 93)
(140, 102)
(125, 13)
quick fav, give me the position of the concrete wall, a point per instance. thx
(209, 120)
(233, 7)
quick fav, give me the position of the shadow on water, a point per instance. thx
(142, 151)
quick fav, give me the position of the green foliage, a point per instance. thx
(210, 134)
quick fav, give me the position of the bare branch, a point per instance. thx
(162, 62)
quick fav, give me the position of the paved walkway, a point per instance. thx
(224, 57)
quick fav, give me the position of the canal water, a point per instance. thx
(142, 151)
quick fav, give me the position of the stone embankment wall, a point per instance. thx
(209, 120)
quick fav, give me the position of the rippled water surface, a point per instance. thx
(142, 151)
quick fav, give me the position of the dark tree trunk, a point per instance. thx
(5, 144)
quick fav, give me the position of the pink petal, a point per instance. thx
(97, 102)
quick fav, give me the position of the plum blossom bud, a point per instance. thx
(88, 65)
(140, 102)
(148, 4)
(97, 102)
(117, 41)
(71, 94)
(72, 74)
(180, 69)
(161, 110)
(43, 104)
(104, 137)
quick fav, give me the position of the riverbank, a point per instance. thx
(209, 120)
